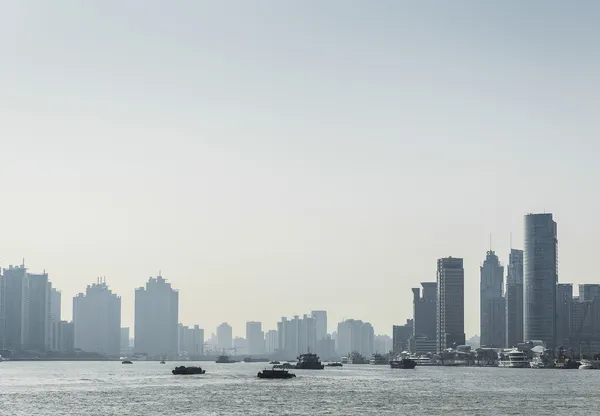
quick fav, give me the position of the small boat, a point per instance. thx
(256, 360)
(162, 362)
(405, 363)
(224, 359)
(309, 361)
(274, 362)
(126, 362)
(275, 373)
(284, 365)
(188, 370)
(334, 364)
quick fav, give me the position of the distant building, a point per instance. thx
(191, 341)
(451, 303)
(326, 348)
(271, 341)
(125, 350)
(97, 320)
(224, 337)
(321, 324)
(15, 291)
(2, 312)
(492, 309)
(540, 267)
(564, 308)
(67, 336)
(354, 335)
(514, 299)
(588, 292)
(383, 344)
(55, 319)
(424, 317)
(37, 324)
(255, 337)
(156, 319)
(296, 336)
(240, 346)
(401, 334)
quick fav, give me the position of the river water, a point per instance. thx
(149, 388)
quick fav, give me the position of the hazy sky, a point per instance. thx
(273, 157)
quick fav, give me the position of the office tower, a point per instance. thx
(191, 341)
(15, 292)
(514, 298)
(255, 337)
(451, 303)
(2, 312)
(588, 292)
(97, 320)
(224, 337)
(424, 319)
(564, 307)
(37, 326)
(492, 309)
(55, 318)
(540, 277)
(271, 341)
(383, 344)
(321, 323)
(156, 319)
(401, 336)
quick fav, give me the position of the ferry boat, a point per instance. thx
(334, 364)
(188, 370)
(405, 363)
(378, 359)
(344, 360)
(513, 359)
(126, 362)
(224, 359)
(309, 361)
(275, 373)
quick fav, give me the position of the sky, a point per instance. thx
(277, 157)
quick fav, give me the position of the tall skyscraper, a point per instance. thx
(514, 298)
(224, 337)
(191, 341)
(97, 320)
(2, 312)
(55, 318)
(255, 337)
(425, 310)
(401, 336)
(354, 335)
(37, 324)
(271, 341)
(564, 308)
(540, 277)
(492, 309)
(15, 292)
(451, 303)
(156, 319)
(321, 323)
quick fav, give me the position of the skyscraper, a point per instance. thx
(539, 279)
(354, 335)
(37, 325)
(492, 309)
(451, 303)
(2, 311)
(255, 337)
(588, 292)
(424, 311)
(15, 292)
(156, 319)
(321, 323)
(271, 341)
(564, 308)
(514, 298)
(55, 318)
(97, 320)
(224, 337)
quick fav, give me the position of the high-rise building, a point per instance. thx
(297, 335)
(451, 303)
(67, 336)
(255, 337)
(15, 292)
(354, 335)
(224, 337)
(540, 276)
(2, 312)
(321, 323)
(156, 319)
(492, 309)
(564, 308)
(125, 350)
(425, 310)
(37, 325)
(55, 318)
(271, 341)
(191, 341)
(97, 320)
(514, 298)
(588, 292)
(383, 344)
(401, 336)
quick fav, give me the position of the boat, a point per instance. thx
(378, 359)
(344, 360)
(589, 365)
(513, 359)
(541, 362)
(255, 360)
(126, 362)
(284, 365)
(188, 370)
(274, 362)
(309, 361)
(334, 364)
(162, 362)
(224, 359)
(405, 363)
(275, 373)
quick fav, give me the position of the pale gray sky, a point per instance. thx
(273, 157)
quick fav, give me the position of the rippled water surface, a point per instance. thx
(148, 388)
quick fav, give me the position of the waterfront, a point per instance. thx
(148, 388)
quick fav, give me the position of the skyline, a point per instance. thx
(342, 145)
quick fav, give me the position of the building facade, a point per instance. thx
(15, 309)
(320, 318)
(564, 309)
(492, 309)
(191, 341)
(156, 319)
(450, 303)
(255, 337)
(224, 337)
(97, 320)
(401, 336)
(540, 277)
(514, 298)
